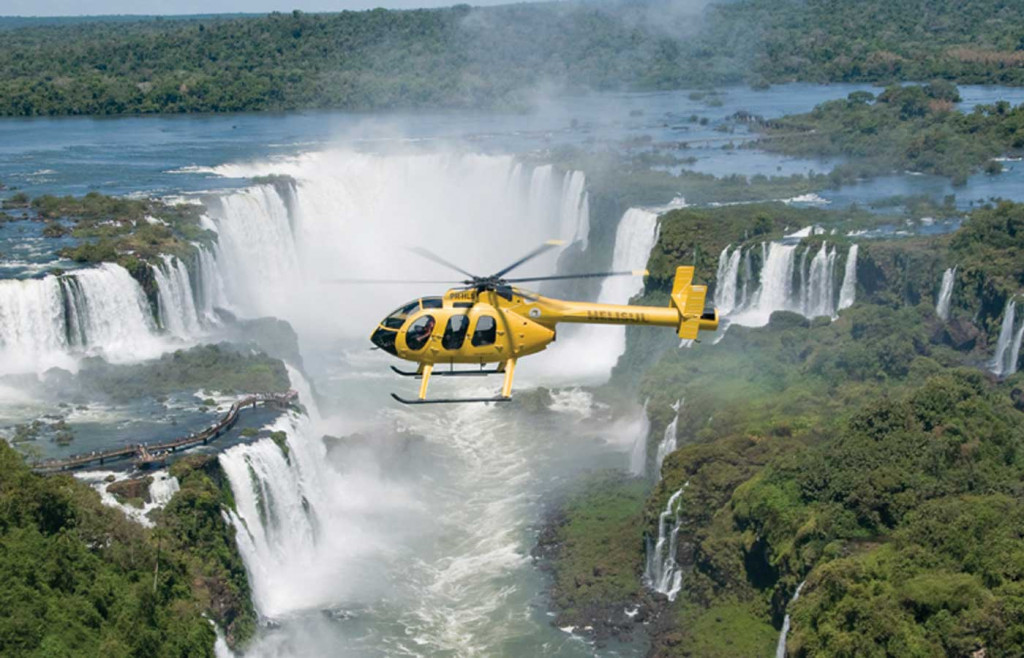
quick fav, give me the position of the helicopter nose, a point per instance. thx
(385, 340)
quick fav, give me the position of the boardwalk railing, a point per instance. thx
(150, 452)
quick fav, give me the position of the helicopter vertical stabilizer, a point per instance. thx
(689, 300)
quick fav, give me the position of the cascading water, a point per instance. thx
(818, 293)
(780, 648)
(638, 454)
(662, 573)
(177, 306)
(942, 304)
(1004, 363)
(351, 214)
(594, 350)
(575, 209)
(789, 280)
(317, 533)
(848, 291)
(776, 291)
(728, 279)
(50, 321)
(210, 293)
(668, 442)
(256, 249)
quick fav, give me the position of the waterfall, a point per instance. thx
(662, 573)
(256, 249)
(818, 292)
(780, 649)
(110, 312)
(806, 285)
(594, 349)
(351, 214)
(945, 294)
(281, 498)
(1004, 362)
(177, 306)
(748, 273)
(276, 512)
(33, 331)
(635, 237)
(162, 488)
(575, 209)
(776, 289)
(539, 195)
(210, 293)
(727, 280)
(848, 291)
(99, 311)
(668, 441)
(638, 455)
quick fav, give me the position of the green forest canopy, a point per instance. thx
(462, 56)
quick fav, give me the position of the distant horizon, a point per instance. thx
(50, 9)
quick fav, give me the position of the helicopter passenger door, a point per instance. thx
(486, 331)
(455, 333)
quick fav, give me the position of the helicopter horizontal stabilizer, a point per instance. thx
(449, 400)
(689, 301)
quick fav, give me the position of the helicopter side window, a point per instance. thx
(432, 302)
(419, 333)
(455, 332)
(397, 319)
(486, 331)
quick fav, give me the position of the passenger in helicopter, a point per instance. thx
(419, 332)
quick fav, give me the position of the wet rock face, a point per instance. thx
(960, 334)
(130, 489)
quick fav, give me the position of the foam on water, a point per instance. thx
(161, 490)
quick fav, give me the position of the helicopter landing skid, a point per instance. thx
(449, 400)
(450, 373)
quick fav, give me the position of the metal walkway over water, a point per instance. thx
(147, 453)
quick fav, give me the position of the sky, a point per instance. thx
(169, 7)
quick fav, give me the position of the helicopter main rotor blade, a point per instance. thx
(592, 275)
(429, 255)
(550, 244)
(377, 281)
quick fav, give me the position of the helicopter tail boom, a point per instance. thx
(685, 311)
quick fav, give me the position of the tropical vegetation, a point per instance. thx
(871, 458)
(491, 56)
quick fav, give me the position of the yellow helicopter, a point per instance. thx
(489, 320)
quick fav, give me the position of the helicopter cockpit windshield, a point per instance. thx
(384, 336)
(396, 319)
